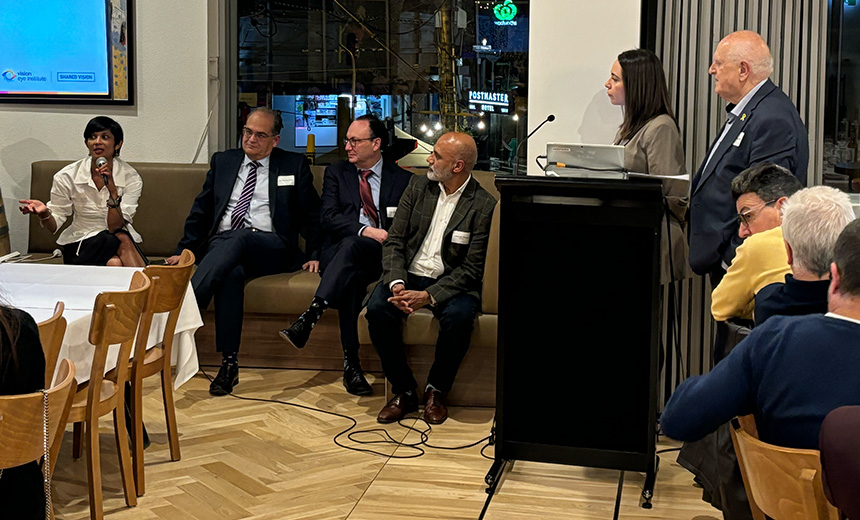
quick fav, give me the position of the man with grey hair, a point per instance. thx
(812, 219)
(762, 126)
(759, 194)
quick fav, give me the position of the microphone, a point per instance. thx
(550, 118)
(101, 161)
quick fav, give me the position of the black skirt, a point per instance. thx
(96, 250)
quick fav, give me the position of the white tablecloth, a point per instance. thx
(36, 288)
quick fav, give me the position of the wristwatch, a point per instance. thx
(114, 203)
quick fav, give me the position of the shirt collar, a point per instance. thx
(458, 191)
(736, 111)
(840, 317)
(264, 162)
(376, 168)
(84, 174)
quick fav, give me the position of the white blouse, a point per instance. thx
(73, 193)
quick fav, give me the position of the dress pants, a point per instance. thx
(347, 269)
(385, 323)
(231, 259)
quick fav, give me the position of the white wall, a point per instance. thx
(572, 45)
(165, 124)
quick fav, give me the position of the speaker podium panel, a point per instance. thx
(578, 321)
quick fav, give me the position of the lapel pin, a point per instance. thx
(743, 117)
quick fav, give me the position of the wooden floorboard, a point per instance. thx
(260, 460)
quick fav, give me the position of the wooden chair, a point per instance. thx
(51, 332)
(22, 421)
(169, 284)
(782, 483)
(115, 319)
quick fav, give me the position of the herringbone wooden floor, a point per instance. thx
(258, 460)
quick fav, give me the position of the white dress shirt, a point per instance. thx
(73, 192)
(258, 217)
(428, 260)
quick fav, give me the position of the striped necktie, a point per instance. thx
(237, 219)
(366, 194)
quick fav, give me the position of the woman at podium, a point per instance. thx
(652, 144)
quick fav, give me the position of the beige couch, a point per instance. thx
(272, 302)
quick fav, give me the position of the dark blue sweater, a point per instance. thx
(790, 372)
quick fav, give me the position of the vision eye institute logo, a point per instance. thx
(9, 75)
(505, 13)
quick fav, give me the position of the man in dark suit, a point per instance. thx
(762, 126)
(434, 257)
(245, 223)
(359, 199)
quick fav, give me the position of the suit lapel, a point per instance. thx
(350, 184)
(225, 188)
(386, 184)
(274, 171)
(427, 209)
(734, 132)
(464, 205)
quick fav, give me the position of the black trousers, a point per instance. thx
(385, 323)
(231, 259)
(347, 269)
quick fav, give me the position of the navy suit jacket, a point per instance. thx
(341, 202)
(769, 130)
(293, 206)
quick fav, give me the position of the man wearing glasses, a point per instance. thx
(244, 224)
(759, 194)
(359, 199)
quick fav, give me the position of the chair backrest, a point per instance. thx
(169, 285)
(115, 319)
(784, 483)
(840, 459)
(51, 333)
(22, 420)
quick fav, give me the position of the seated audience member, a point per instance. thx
(434, 257)
(760, 260)
(812, 219)
(790, 372)
(358, 203)
(22, 371)
(245, 223)
(101, 200)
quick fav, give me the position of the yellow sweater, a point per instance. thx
(760, 260)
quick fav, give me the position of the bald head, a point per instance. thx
(742, 60)
(452, 160)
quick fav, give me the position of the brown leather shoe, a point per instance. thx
(435, 411)
(398, 407)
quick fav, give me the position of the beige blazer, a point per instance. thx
(656, 149)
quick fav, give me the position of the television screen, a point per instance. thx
(56, 50)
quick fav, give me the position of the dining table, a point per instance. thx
(36, 289)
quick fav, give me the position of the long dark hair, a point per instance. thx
(10, 328)
(645, 93)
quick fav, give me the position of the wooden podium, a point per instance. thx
(578, 336)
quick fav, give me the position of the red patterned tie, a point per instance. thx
(367, 205)
(237, 219)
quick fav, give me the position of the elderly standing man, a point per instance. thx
(812, 219)
(434, 257)
(244, 224)
(762, 125)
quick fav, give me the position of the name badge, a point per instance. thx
(390, 211)
(738, 140)
(286, 180)
(461, 237)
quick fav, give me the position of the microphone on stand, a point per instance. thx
(550, 118)
(101, 161)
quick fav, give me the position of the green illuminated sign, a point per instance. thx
(506, 11)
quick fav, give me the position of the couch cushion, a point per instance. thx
(285, 293)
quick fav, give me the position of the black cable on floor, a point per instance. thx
(383, 437)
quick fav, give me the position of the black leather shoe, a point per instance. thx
(354, 381)
(300, 331)
(398, 407)
(227, 378)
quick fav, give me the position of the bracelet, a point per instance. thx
(50, 214)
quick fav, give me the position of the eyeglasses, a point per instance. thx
(247, 132)
(748, 216)
(352, 141)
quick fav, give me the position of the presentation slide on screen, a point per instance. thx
(64, 54)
